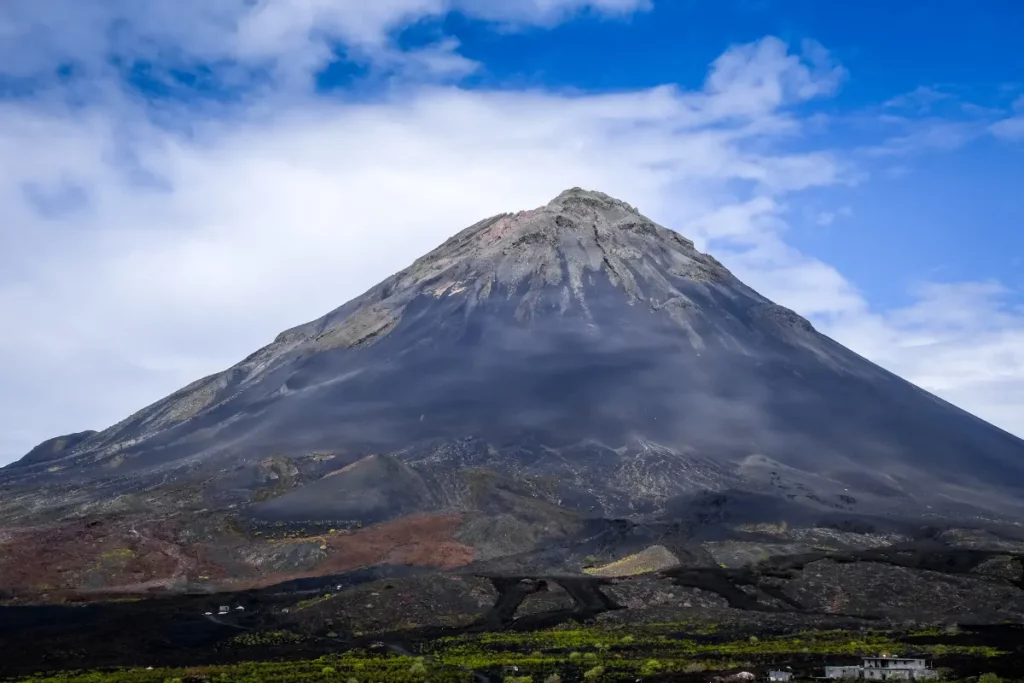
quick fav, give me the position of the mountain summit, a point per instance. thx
(579, 344)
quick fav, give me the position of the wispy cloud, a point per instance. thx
(1011, 128)
(919, 128)
(827, 218)
(920, 100)
(926, 135)
(290, 39)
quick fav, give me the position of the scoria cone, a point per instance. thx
(579, 344)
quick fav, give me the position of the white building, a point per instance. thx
(780, 676)
(884, 669)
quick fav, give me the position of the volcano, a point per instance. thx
(580, 354)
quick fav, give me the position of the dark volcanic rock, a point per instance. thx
(587, 350)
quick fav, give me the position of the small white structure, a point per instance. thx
(884, 669)
(224, 609)
(782, 676)
(239, 609)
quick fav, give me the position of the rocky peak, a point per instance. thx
(577, 233)
(550, 253)
(577, 196)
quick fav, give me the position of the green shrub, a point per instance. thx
(651, 667)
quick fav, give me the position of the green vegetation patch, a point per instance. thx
(265, 638)
(359, 666)
(569, 653)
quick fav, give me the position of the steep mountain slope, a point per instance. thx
(578, 346)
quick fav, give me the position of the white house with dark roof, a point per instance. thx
(884, 668)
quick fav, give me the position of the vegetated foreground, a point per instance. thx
(693, 651)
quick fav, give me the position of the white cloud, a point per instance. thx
(922, 131)
(926, 135)
(135, 257)
(1011, 128)
(827, 218)
(292, 38)
(919, 99)
(757, 78)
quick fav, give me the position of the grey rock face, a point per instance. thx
(584, 343)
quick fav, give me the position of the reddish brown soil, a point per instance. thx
(88, 555)
(417, 540)
(93, 560)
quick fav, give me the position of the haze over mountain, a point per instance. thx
(579, 343)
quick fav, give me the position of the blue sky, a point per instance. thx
(185, 178)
